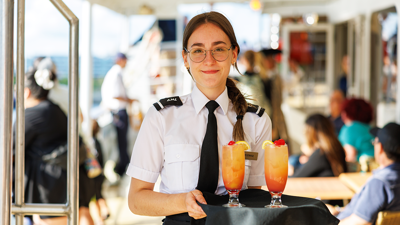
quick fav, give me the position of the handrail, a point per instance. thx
(73, 175)
(20, 120)
(20, 208)
(6, 97)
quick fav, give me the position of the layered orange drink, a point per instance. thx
(233, 166)
(276, 166)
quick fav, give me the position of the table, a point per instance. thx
(354, 181)
(324, 188)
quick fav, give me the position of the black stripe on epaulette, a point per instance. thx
(255, 108)
(167, 102)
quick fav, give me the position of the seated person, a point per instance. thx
(335, 109)
(382, 191)
(354, 135)
(327, 157)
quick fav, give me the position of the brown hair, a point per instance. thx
(239, 102)
(321, 134)
(250, 56)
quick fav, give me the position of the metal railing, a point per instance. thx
(20, 209)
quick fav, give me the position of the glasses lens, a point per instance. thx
(220, 54)
(197, 54)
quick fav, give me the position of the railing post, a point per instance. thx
(73, 141)
(6, 98)
(20, 120)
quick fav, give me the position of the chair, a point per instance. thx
(388, 218)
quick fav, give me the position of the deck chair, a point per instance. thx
(388, 218)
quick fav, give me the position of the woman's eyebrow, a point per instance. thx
(202, 45)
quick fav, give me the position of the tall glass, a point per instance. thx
(276, 172)
(233, 168)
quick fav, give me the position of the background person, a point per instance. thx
(273, 90)
(354, 135)
(170, 141)
(335, 109)
(343, 78)
(45, 130)
(327, 157)
(114, 97)
(382, 190)
(251, 84)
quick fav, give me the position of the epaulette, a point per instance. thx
(256, 109)
(168, 101)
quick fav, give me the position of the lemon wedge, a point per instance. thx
(244, 145)
(267, 142)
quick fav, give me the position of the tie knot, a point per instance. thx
(211, 106)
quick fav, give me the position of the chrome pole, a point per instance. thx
(42, 209)
(20, 121)
(6, 98)
(73, 145)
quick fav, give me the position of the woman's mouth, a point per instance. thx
(209, 71)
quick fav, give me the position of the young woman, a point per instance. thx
(328, 157)
(170, 141)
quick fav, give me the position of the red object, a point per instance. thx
(279, 142)
(231, 143)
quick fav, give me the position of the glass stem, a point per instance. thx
(276, 198)
(233, 197)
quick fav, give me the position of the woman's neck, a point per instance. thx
(32, 102)
(211, 93)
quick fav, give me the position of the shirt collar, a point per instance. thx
(200, 100)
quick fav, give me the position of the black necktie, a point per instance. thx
(209, 165)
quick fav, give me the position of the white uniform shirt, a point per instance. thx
(112, 87)
(169, 143)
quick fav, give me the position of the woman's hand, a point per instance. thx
(192, 207)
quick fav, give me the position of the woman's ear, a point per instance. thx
(185, 58)
(27, 93)
(234, 54)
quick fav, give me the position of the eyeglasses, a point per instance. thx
(197, 55)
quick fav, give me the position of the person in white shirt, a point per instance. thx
(115, 98)
(170, 140)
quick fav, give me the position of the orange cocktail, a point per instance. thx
(233, 168)
(276, 170)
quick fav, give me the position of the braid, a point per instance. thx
(240, 106)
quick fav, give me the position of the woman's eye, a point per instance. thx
(218, 50)
(198, 51)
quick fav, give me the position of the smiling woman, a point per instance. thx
(181, 137)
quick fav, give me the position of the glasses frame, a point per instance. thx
(205, 54)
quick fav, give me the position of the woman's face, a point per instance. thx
(210, 75)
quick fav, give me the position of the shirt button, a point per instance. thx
(178, 156)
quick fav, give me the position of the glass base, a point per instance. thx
(233, 199)
(275, 206)
(234, 205)
(276, 201)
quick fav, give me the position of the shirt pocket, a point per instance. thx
(247, 164)
(181, 167)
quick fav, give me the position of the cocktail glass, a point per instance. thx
(276, 172)
(233, 168)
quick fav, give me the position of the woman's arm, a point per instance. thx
(351, 153)
(142, 200)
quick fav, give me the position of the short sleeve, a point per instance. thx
(372, 199)
(263, 132)
(346, 136)
(148, 152)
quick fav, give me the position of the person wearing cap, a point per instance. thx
(273, 91)
(114, 98)
(382, 190)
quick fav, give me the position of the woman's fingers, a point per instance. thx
(193, 208)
